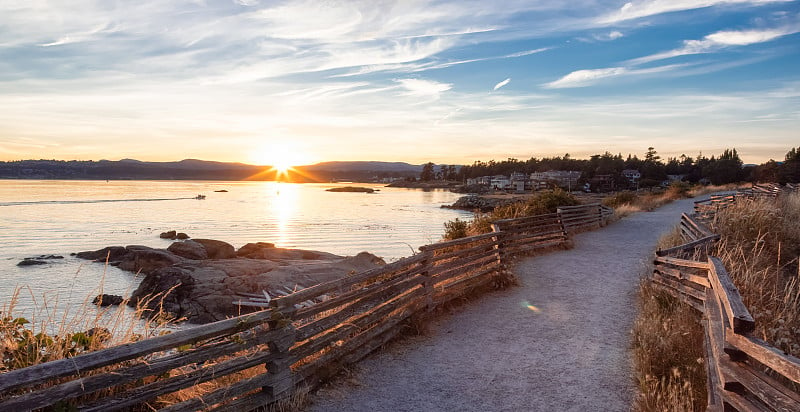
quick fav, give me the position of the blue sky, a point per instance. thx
(445, 81)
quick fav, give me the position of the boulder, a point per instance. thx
(254, 250)
(146, 259)
(189, 249)
(31, 262)
(112, 253)
(107, 300)
(132, 258)
(181, 236)
(168, 235)
(217, 249)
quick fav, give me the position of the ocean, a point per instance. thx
(59, 217)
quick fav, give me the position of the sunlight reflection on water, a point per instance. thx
(72, 216)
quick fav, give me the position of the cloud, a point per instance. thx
(645, 8)
(717, 41)
(525, 53)
(501, 84)
(419, 66)
(583, 78)
(421, 87)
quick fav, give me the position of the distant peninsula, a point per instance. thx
(193, 169)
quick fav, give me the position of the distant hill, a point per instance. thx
(194, 169)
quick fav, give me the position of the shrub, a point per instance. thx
(455, 229)
(542, 203)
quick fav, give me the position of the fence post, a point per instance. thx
(281, 381)
(427, 279)
(499, 247)
(560, 214)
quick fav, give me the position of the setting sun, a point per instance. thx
(281, 157)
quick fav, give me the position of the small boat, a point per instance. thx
(200, 197)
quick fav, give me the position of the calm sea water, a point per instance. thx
(62, 217)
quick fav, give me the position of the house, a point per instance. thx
(633, 176)
(562, 178)
(602, 183)
(499, 182)
(483, 180)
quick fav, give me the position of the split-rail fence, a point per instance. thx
(744, 373)
(298, 341)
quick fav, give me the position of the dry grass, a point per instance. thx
(51, 334)
(704, 190)
(668, 353)
(760, 247)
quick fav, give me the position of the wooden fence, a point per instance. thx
(300, 340)
(744, 372)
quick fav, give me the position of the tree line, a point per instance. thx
(722, 169)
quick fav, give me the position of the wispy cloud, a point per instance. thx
(421, 87)
(432, 64)
(583, 78)
(609, 36)
(719, 40)
(501, 84)
(645, 8)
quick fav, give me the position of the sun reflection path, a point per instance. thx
(283, 206)
(533, 308)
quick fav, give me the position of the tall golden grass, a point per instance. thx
(760, 247)
(667, 353)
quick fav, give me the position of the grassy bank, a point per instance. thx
(760, 247)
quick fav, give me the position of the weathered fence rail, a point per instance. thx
(298, 340)
(744, 372)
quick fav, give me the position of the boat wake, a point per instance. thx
(67, 202)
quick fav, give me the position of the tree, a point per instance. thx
(789, 171)
(427, 172)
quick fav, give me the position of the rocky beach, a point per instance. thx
(200, 280)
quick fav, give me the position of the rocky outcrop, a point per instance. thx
(205, 291)
(107, 300)
(217, 249)
(481, 203)
(133, 258)
(480, 189)
(254, 250)
(168, 235)
(38, 260)
(189, 250)
(200, 279)
(173, 235)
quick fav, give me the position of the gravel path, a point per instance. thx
(558, 342)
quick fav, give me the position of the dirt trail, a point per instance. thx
(558, 342)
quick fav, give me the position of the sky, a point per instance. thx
(301, 82)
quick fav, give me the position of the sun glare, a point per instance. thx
(280, 157)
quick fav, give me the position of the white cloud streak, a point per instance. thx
(644, 8)
(583, 78)
(717, 41)
(501, 84)
(419, 87)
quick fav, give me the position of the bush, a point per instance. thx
(542, 203)
(455, 229)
